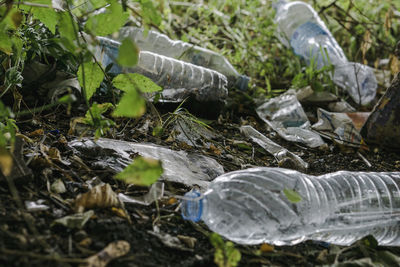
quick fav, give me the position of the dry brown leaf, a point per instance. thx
(266, 248)
(100, 196)
(6, 161)
(394, 65)
(113, 250)
(38, 132)
(366, 44)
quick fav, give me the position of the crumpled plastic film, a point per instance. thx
(286, 116)
(179, 166)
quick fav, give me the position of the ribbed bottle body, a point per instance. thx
(179, 79)
(250, 207)
(161, 44)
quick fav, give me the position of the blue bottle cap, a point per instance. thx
(192, 206)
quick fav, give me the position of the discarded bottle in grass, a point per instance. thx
(178, 78)
(252, 206)
(300, 27)
(161, 44)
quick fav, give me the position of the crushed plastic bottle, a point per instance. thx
(300, 27)
(251, 206)
(179, 79)
(161, 44)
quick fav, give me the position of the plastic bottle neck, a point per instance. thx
(277, 5)
(192, 206)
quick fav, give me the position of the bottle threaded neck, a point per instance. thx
(192, 206)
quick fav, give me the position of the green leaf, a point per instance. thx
(131, 105)
(125, 82)
(93, 77)
(47, 15)
(128, 54)
(292, 195)
(67, 26)
(142, 171)
(226, 255)
(5, 43)
(108, 22)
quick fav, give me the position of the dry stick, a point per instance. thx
(358, 85)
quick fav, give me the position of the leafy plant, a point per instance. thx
(143, 171)
(226, 255)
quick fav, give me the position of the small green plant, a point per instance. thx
(226, 255)
(142, 171)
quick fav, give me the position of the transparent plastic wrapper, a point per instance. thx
(340, 126)
(300, 27)
(179, 79)
(286, 116)
(179, 166)
(285, 207)
(161, 44)
(284, 157)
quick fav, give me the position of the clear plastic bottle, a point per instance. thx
(300, 27)
(161, 44)
(178, 78)
(250, 207)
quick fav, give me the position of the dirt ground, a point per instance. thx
(32, 239)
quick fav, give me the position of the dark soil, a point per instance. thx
(31, 239)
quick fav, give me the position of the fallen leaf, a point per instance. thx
(100, 196)
(6, 161)
(266, 248)
(114, 250)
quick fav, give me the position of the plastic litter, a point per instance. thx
(286, 116)
(156, 192)
(300, 27)
(36, 205)
(383, 125)
(284, 157)
(77, 220)
(343, 128)
(161, 44)
(255, 206)
(179, 166)
(179, 79)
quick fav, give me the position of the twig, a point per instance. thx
(364, 159)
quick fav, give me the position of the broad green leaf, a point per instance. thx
(145, 84)
(292, 195)
(5, 43)
(128, 54)
(142, 171)
(66, 26)
(127, 81)
(13, 19)
(108, 22)
(131, 105)
(93, 77)
(47, 15)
